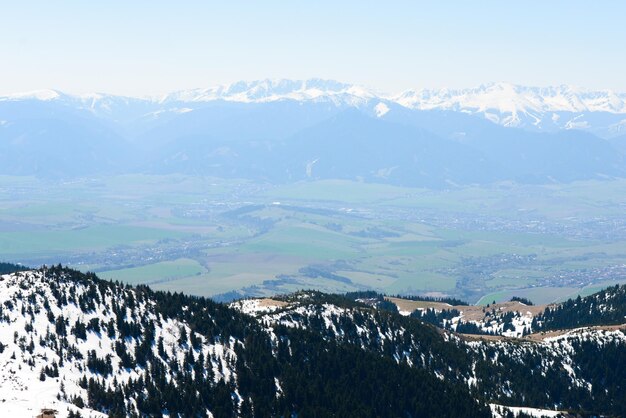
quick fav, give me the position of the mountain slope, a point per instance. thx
(566, 371)
(542, 109)
(261, 91)
(511, 98)
(535, 108)
(33, 134)
(74, 343)
(607, 307)
(524, 155)
(78, 340)
(297, 130)
(352, 145)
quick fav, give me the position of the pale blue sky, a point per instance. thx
(150, 47)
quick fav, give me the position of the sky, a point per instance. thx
(143, 48)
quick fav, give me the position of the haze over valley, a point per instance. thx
(260, 188)
(312, 209)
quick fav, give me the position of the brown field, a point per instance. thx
(272, 302)
(470, 313)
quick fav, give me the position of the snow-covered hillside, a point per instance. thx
(500, 366)
(55, 336)
(74, 343)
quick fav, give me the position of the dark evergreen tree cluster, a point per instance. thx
(443, 319)
(188, 388)
(449, 300)
(607, 307)
(328, 379)
(6, 268)
(520, 299)
(438, 318)
(535, 377)
(372, 294)
(372, 298)
(357, 359)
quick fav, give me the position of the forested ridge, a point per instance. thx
(607, 307)
(131, 351)
(168, 353)
(11, 268)
(569, 372)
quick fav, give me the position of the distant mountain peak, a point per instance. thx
(514, 99)
(548, 109)
(501, 97)
(273, 90)
(44, 95)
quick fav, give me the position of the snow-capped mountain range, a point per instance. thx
(275, 130)
(502, 103)
(547, 108)
(511, 98)
(274, 90)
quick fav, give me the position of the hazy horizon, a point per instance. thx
(381, 93)
(142, 48)
(295, 209)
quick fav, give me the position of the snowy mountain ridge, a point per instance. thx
(80, 345)
(537, 109)
(512, 98)
(492, 361)
(498, 97)
(548, 109)
(510, 105)
(89, 348)
(263, 91)
(54, 334)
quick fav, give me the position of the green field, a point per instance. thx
(162, 271)
(539, 296)
(83, 239)
(208, 236)
(307, 241)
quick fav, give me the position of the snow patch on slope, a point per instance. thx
(30, 343)
(500, 411)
